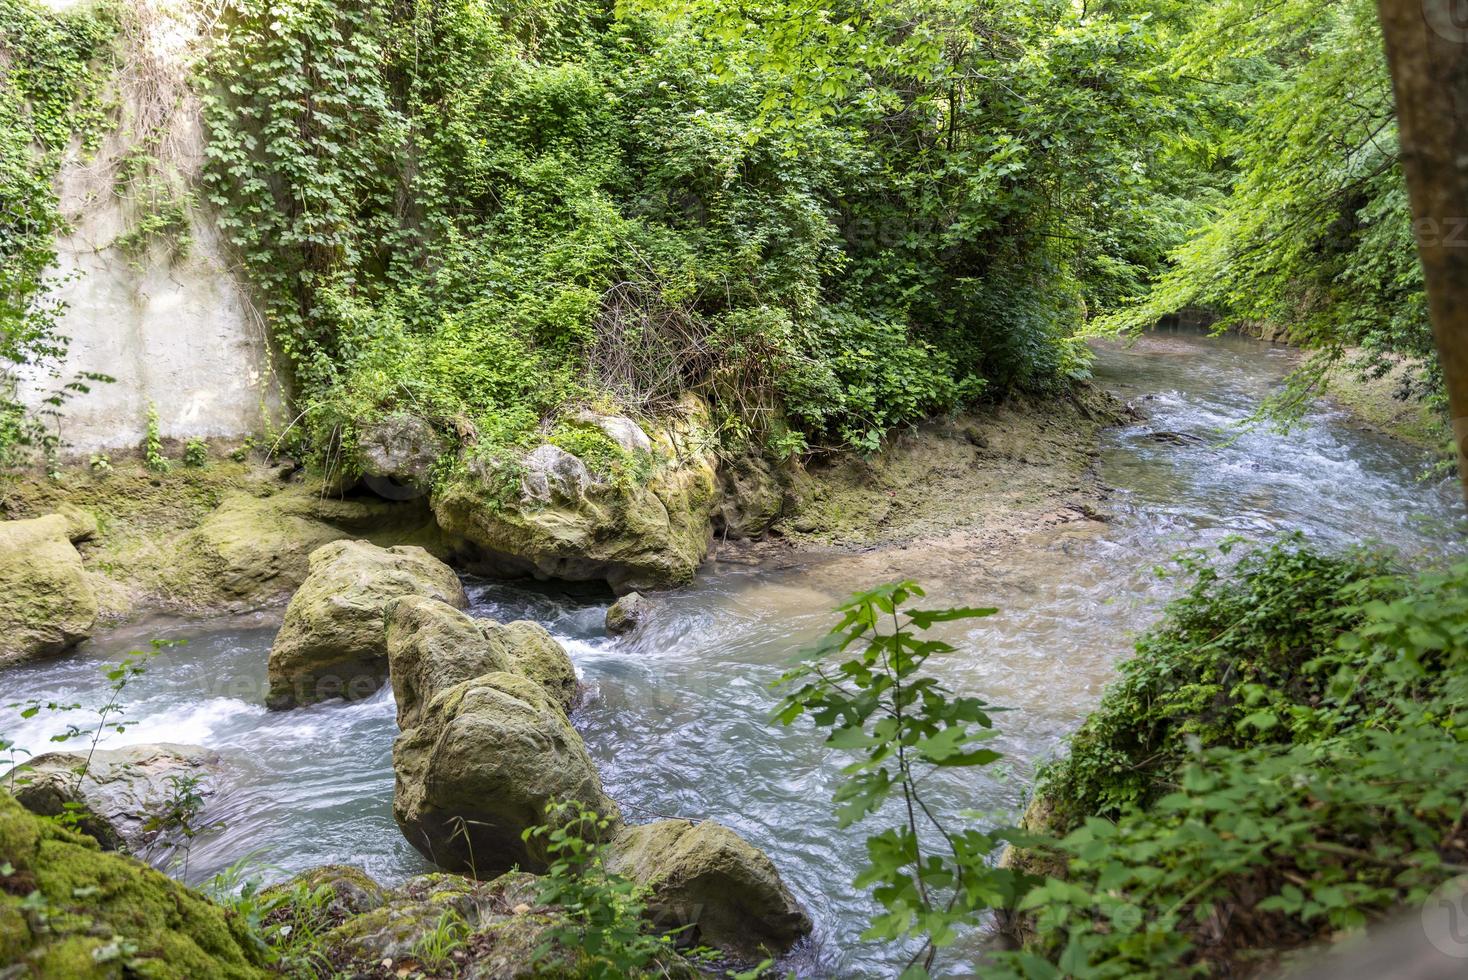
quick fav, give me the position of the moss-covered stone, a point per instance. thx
(647, 530)
(70, 910)
(333, 642)
(535, 654)
(431, 646)
(482, 765)
(353, 891)
(627, 614)
(48, 603)
(709, 878)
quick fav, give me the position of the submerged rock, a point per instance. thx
(122, 792)
(627, 614)
(482, 764)
(93, 901)
(708, 877)
(333, 642)
(47, 603)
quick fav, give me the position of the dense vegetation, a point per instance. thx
(1284, 760)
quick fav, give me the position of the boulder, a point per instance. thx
(709, 878)
(535, 654)
(123, 792)
(431, 646)
(92, 900)
(553, 475)
(253, 550)
(563, 525)
(627, 614)
(400, 447)
(48, 603)
(482, 764)
(333, 642)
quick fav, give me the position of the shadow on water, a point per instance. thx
(676, 715)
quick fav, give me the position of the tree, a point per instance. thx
(1427, 48)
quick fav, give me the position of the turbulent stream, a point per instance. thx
(676, 717)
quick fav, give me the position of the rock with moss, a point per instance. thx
(649, 527)
(253, 550)
(400, 447)
(431, 646)
(483, 763)
(333, 642)
(627, 614)
(68, 909)
(122, 792)
(710, 879)
(339, 891)
(752, 497)
(48, 603)
(535, 654)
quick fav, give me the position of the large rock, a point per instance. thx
(482, 764)
(70, 910)
(47, 604)
(122, 792)
(254, 550)
(535, 654)
(431, 646)
(333, 642)
(562, 523)
(752, 498)
(623, 431)
(709, 878)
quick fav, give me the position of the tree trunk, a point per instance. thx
(1427, 46)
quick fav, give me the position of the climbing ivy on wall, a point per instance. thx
(50, 101)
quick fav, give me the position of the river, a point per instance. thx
(677, 716)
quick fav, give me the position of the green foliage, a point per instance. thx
(153, 457)
(1237, 661)
(196, 453)
(1307, 222)
(50, 96)
(902, 724)
(1270, 818)
(486, 219)
(604, 912)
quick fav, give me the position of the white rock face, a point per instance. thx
(175, 331)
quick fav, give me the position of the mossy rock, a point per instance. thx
(483, 764)
(254, 549)
(69, 910)
(707, 877)
(333, 642)
(431, 646)
(48, 603)
(535, 654)
(651, 528)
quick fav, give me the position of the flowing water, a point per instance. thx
(676, 717)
